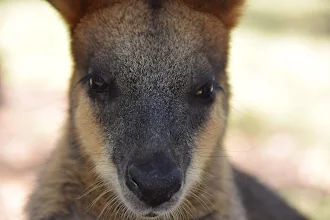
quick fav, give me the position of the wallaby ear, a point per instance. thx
(228, 11)
(71, 10)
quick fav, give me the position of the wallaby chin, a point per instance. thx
(149, 100)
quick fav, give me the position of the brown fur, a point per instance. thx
(71, 185)
(227, 11)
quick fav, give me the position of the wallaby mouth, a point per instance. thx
(151, 215)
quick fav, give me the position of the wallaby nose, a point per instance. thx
(154, 180)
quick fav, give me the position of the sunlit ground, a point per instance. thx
(280, 73)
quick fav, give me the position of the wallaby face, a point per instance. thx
(152, 100)
(149, 95)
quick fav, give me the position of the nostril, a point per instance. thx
(132, 184)
(175, 188)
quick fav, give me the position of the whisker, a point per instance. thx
(93, 187)
(107, 204)
(190, 208)
(97, 198)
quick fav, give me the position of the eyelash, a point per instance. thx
(217, 86)
(86, 78)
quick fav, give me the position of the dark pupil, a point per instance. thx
(206, 91)
(97, 84)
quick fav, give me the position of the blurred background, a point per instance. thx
(280, 73)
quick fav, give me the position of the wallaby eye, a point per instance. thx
(97, 84)
(207, 91)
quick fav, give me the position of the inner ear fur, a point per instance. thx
(71, 10)
(228, 11)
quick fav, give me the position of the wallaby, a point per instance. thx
(149, 103)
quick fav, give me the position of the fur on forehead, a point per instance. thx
(131, 29)
(228, 11)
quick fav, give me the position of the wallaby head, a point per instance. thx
(149, 94)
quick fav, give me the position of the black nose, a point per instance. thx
(154, 180)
